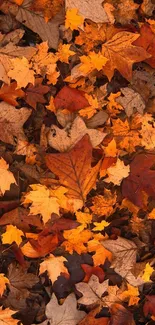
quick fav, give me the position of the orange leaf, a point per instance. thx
(74, 169)
(9, 93)
(3, 282)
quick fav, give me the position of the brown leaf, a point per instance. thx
(147, 41)
(71, 99)
(74, 169)
(34, 94)
(20, 218)
(120, 316)
(149, 306)
(39, 248)
(131, 101)
(141, 178)
(121, 54)
(9, 93)
(91, 320)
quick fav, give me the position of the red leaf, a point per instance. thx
(71, 99)
(9, 93)
(149, 306)
(141, 178)
(147, 41)
(89, 270)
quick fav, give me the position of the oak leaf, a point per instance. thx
(92, 291)
(117, 172)
(65, 139)
(3, 282)
(65, 314)
(54, 265)
(12, 121)
(21, 72)
(73, 19)
(12, 234)
(121, 54)
(6, 317)
(6, 177)
(41, 202)
(74, 169)
(9, 93)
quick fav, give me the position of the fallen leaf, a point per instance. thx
(147, 41)
(63, 314)
(124, 254)
(149, 305)
(36, 248)
(103, 205)
(54, 265)
(96, 270)
(65, 139)
(131, 101)
(84, 218)
(117, 172)
(6, 317)
(41, 202)
(131, 295)
(48, 7)
(141, 179)
(12, 234)
(70, 99)
(91, 62)
(147, 272)
(21, 72)
(91, 320)
(64, 53)
(3, 282)
(99, 226)
(70, 163)
(151, 215)
(111, 149)
(125, 12)
(6, 177)
(9, 93)
(76, 240)
(92, 291)
(90, 10)
(12, 121)
(120, 315)
(101, 253)
(121, 54)
(73, 19)
(34, 93)
(147, 132)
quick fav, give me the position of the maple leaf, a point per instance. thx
(41, 202)
(92, 109)
(103, 205)
(147, 41)
(117, 172)
(121, 54)
(9, 93)
(92, 291)
(12, 234)
(6, 317)
(84, 218)
(65, 139)
(91, 62)
(34, 93)
(90, 32)
(125, 12)
(76, 240)
(43, 62)
(3, 282)
(54, 267)
(101, 253)
(131, 294)
(73, 19)
(74, 169)
(89, 270)
(99, 226)
(6, 177)
(21, 72)
(64, 52)
(148, 132)
(27, 149)
(147, 272)
(65, 314)
(11, 121)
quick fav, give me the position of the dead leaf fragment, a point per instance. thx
(131, 101)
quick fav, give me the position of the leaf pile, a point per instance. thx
(77, 162)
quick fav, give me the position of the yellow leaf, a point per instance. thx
(117, 172)
(54, 266)
(111, 149)
(6, 317)
(41, 202)
(12, 234)
(99, 226)
(73, 19)
(84, 218)
(3, 281)
(103, 205)
(21, 72)
(64, 52)
(114, 107)
(101, 253)
(91, 62)
(92, 109)
(6, 177)
(152, 214)
(76, 240)
(147, 272)
(51, 106)
(131, 294)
